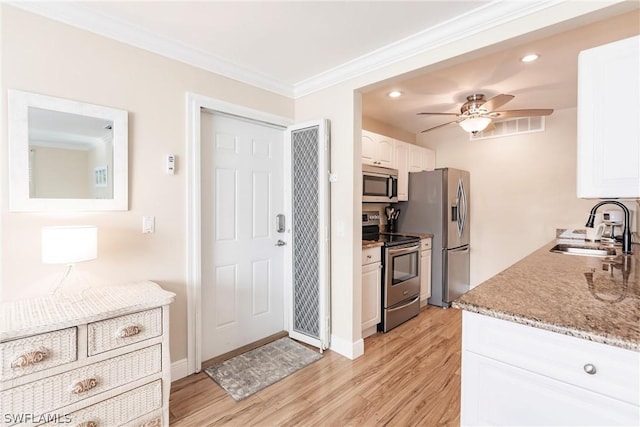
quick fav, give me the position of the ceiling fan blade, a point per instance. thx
(439, 126)
(520, 113)
(439, 114)
(497, 102)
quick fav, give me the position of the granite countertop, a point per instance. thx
(366, 244)
(593, 298)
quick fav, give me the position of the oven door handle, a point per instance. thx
(403, 250)
(391, 310)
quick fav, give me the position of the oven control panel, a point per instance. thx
(370, 218)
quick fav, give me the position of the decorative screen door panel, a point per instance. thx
(308, 145)
(242, 268)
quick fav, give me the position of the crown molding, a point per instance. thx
(490, 15)
(77, 15)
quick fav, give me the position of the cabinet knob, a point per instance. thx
(590, 369)
(368, 256)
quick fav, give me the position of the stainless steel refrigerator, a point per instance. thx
(439, 204)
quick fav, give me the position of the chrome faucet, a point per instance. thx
(626, 234)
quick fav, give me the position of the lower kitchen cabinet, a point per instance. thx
(514, 374)
(371, 290)
(425, 271)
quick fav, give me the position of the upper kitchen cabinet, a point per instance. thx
(378, 150)
(402, 164)
(411, 158)
(421, 159)
(608, 125)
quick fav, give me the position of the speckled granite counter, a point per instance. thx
(366, 244)
(586, 297)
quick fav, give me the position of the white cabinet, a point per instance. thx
(402, 164)
(608, 111)
(411, 158)
(371, 290)
(378, 150)
(96, 358)
(425, 271)
(514, 374)
(421, 159)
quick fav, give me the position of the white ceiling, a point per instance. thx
(296, 47)
(549, 82)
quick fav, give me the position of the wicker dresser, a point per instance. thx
(95, 358)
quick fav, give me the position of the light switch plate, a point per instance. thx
(148, 224)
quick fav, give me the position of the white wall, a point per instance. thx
(47, 57)
(60, 173)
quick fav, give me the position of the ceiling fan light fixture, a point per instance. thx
(394, 94)
(530, 58)
(475, 124)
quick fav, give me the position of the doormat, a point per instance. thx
(254, 370)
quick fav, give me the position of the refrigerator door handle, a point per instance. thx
(463, 207)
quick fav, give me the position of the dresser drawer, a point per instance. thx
(51, 393)
(27, 355)
(604, 369)
(124, 330)
(120, 410)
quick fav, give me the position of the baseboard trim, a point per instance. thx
(350, 350)
(179, 369)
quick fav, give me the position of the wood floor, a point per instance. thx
(409, 376)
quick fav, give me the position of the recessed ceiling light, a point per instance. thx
(529, 58)
(394, 94)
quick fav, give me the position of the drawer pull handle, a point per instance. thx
(88, 424)
(128, 331)
(29, 358)
(84, 386)
(156, 422)
(368, 256)
(590, 369)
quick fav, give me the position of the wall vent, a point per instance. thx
(512, 127)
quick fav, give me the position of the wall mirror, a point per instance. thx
(66, 155)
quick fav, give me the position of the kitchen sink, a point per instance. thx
(566, 249)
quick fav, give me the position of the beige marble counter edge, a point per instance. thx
(617, 342)
(369, 244)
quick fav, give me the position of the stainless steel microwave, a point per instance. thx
(379, 185)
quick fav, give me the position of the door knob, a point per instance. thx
(281, 243)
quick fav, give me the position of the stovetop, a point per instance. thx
(389, 239)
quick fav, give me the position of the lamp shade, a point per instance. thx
(69, 244)
(475, 124)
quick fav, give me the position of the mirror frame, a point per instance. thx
(18, 127)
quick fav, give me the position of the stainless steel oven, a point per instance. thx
(401, 298)
(379, 185)
(400, 272)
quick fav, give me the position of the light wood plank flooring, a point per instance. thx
(409, 376)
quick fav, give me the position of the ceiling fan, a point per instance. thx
(477, 113)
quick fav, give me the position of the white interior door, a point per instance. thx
(242, 265)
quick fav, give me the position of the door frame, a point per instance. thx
(195, 104)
